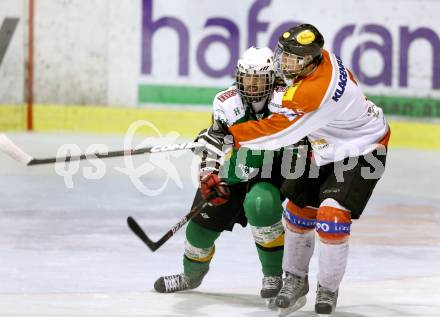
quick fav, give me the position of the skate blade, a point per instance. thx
(286, 311)
(270, 303)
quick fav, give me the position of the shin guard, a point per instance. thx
(263, 210)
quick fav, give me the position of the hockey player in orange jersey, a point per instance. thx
(348, 136)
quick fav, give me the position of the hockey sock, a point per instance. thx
(271, 260)
(199, 250)
(298, 251)
(299, 238)
(333, 227)
(332, 264)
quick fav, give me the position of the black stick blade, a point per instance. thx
(137, 230)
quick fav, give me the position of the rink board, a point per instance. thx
(188, 122)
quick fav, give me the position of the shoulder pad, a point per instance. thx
(226, 94)
(228, 106)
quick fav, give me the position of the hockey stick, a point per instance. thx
(10, 148)
(137, 230)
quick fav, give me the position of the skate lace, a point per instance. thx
(175, 282)
(271, 282)
(292, 285)
(325, 296)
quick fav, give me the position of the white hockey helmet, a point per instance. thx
(255, 74)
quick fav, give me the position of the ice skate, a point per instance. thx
(177, 283)
(325, 301)
(271, 287)
(292, 295)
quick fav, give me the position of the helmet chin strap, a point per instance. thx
(258, 106)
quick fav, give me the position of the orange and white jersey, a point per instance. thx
(328, 108)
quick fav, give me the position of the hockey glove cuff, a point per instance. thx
(214, 190)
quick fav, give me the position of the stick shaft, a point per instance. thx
(118, 153)
(10, 148)
(154, 245)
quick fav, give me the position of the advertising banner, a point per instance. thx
(189, 49)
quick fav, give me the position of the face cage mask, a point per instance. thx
(254, 87)
(289, 66)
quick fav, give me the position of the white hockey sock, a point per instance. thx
(298, 249)
(332, 263)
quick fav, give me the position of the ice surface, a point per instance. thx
(68, 252)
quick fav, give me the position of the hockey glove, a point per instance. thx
(213, 141)
(214, 190)
(216, 141)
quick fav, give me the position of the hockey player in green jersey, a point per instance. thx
(247, 185)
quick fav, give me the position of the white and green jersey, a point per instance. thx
(229, 108)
